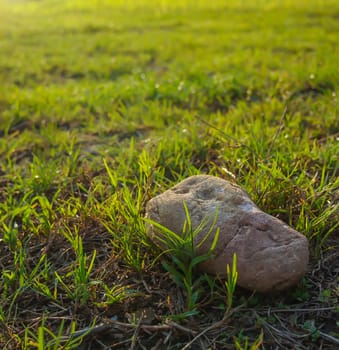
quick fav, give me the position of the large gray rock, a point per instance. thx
(270, 254)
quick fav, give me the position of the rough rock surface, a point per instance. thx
(270, 255)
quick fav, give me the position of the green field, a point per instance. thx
(105, 104)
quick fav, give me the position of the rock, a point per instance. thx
(271, 255)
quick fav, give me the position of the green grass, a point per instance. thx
(104, 105)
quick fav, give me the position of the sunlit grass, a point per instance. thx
(105, 104)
